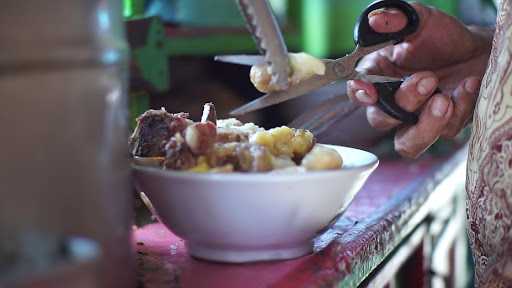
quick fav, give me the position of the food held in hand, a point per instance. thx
(303, 66)
(174, 142)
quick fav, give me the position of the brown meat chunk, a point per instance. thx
(177, 154)
(153, 131)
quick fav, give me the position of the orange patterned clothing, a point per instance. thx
(489, 172)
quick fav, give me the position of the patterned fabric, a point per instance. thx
(489, 177)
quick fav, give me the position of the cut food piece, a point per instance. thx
(285, 141)
(200, 137)
(282, 163)
(232, 130)
(303, 66)
(177, 154)
(261, 76)
(322, 158)
(254, 158)
(244, 157)
(302, 142)
(154, 129)
(172, 141)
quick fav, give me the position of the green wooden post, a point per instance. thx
(133, 8)
(139, 103)
(450, 7)
(328, 25)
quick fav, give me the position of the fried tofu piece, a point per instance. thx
(285, 141)
(322, 158)
(244, 157)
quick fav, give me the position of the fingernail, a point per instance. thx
(426, 85)
(377, 12)
(363, 97)
(439, 106)
(472, 85)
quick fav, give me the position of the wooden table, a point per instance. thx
(405, 226)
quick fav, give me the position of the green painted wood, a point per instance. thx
(139, 103)
(450, 7)
(323, 28)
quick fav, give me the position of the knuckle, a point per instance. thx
(406, 151)
(406, 148)
(377, 120)
(408, 100)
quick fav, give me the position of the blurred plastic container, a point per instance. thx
(36, 260)
(64, 117)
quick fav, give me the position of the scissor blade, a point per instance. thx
(248, 60)
(376, 78)
(277, 97)
(320, 118)
(267, 34)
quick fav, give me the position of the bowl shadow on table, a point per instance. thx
(159, 267)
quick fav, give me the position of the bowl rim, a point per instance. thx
(240, 176)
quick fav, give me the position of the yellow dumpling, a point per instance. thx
(302, 142)
(322, 158)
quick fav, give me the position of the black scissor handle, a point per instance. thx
(386, 102)
(365, 36)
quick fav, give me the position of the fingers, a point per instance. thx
(387, 20)
(361, 92)
(392, 20)
(415, 90)
(412, 94)
(380, 120)
(464, 99)
(414, 140)
(379, 63)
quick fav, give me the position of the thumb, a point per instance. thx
(387, 20)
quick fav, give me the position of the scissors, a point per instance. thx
(267, 35)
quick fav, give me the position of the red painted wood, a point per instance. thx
(358, 242)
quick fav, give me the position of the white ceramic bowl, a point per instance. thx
(252, 217)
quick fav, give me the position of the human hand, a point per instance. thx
(443, 54)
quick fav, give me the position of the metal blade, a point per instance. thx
(277, 97)
(376, 78)
(248, 60)
(322, 117)
(267, 34)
